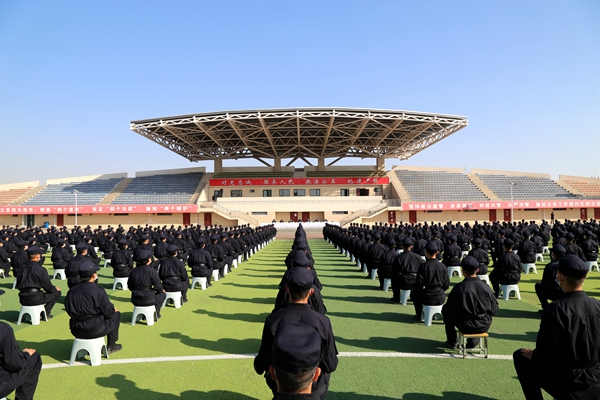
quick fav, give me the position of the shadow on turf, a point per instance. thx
(223, 345)
(245, 317)
(527, 336)
(274, 286)
(400, 344)
(127, 390)
(54, 348)
(255, 300)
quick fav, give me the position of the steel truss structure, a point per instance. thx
(301, 133)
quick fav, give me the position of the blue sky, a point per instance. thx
(74, 74)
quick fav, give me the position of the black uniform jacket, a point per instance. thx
(432, 282)
(301, 314)
(567, 347)
(89, 308)
(472, 304)
(12, 358)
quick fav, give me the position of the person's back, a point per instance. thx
(527, 250)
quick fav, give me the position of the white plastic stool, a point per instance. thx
(429, 312)
(94, 347)
(545, 249)
(591, 265)
(484, 278)
(61, 274)
(373, 273)
(148, 311)
(240, 259)
(452, 270)
(175, 297)
(235, 263)
(529, 267)
(364, 267)
(423, 258)
(106, 262)
(515, 251)
(14, 283)
(539, 257)
(3, 276)
(506, 289)
(386, 284)
(404, 295)
(199, 280)
(120, 281)
(225, 269)
(215, 275)
(34, 313)
(463, 254)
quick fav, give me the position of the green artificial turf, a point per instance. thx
(227, 319)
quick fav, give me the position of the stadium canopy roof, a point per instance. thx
(299, 133)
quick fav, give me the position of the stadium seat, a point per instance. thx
(483, 343)
(34, 313)
(94, 347)
(505, 291)
(429, 312)
(148, 312)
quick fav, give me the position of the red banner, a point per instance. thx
(493, 205)
(102, 209)
(300, 181)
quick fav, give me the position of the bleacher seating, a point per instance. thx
(526, 187)
(9, 196)
(253, 175)
(587, 189)
(160, 189)
(89, 193)
(439, 186)
(342, 174)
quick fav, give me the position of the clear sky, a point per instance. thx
(73, 74)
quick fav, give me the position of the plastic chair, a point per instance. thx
(94, 347)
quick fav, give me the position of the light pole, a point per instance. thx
(75, 192)
(512, 203)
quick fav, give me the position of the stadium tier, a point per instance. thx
(524, 187)
(88, 193)
(439, 186)
(160, 189)
(10, 196)
(589, 189)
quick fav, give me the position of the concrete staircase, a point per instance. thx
(483, 187)
(398, 187)
(117, 191)
(569, 188)
(201, 185)
(365, 213)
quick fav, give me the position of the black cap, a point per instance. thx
(559, 250)
(469, 264)
(201, 240)
(81, 246)
(431, 247)
(123, 242)
(407, 242)
(214, 236)
(87, 269)
(377, 235)
(34, 250)
(391, 243)
(145, 254)
(508, 243)
(573, 266)
(569, 236)
(172, 249)
(477, 241)
(296, 348)
(299, 279)
(301, 260)
(302, 246)
(453, 238)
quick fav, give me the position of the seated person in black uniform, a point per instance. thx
(507, 269)
(20, 258)
(431, 283)
(548, 288)
(4, 258)
(566, 360)
(480, 255)
(295, 365)
(298, 311)
(72, 270)
(315, 300)
(470, 306)
(404, 269)
(19, 370)
(172, 273)
(200, 261)
(34, 283)
(122, 260)
(61, 255)
(386, 262)
(92, 314)
(144, 283)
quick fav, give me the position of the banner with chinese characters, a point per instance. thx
(300, 181)
(102, 209)
(487, 205)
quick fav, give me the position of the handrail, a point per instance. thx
(232, 213)
(364, 212)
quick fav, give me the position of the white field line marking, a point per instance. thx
(245, 356)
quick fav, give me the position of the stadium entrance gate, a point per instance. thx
(506, 215)
(391, 217)
(294, 216)
(412, 217)
(596, 213)
(583, 213)
(207, 219)
(60, 219)
(493, 216)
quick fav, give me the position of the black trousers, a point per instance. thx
(155, 300)
(450, 324)
(24, 380)
(532, 379)
(544, 294)
(37, 298)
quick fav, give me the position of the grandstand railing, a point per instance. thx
(226, 212)
(364, 213)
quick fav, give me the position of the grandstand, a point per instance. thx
(588, 187)
(88, 193)
(160, 189)
(524, 187)
(439, 186)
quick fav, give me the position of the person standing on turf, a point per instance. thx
(566, 360)
(297, 311)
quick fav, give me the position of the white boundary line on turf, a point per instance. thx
(245, 356)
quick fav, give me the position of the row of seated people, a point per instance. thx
(299, 313)
(566, 361)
